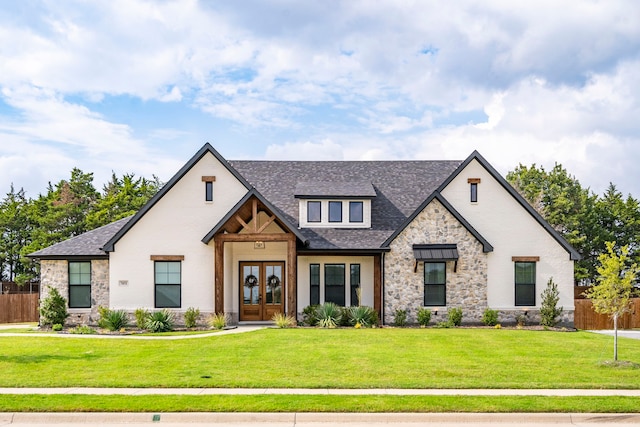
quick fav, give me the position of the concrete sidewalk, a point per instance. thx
(323, 391)
(301, 419)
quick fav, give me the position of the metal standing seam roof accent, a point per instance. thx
(436, 252)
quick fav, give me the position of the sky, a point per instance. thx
(133, 86)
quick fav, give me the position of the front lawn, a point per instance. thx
(317, 358)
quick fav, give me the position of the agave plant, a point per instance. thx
(329, 315)
(219, 320)
(113, 320)
(363, 316)
(283, 321)
(160, 321)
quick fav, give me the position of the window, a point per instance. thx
(474, 192)
(335, 211)
(314, 281)
(208, 187)
(525, 283)
(356, 212)
(80, 284)
(314, 211)
(435, 288)
(168, 283)
(355, 284)
(334, 283)
(208, 191)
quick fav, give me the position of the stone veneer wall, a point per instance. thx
(55, 273)
(466, 288)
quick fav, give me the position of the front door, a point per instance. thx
(261, 289)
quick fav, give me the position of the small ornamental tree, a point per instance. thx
(53, 308)
(612, 294)
(549, 310)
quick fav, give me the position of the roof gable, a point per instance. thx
(252, 193)
(573, 253)
(206, 149)
(486, 246)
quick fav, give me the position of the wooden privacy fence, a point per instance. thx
(586, 318)
(16, 308)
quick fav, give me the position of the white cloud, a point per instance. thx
(307, 150)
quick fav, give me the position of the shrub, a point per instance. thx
(363, 316)
(56, 327)
(549, 310)
(454, 316)
(490, 317)
(219, 320)
(142, 314)
(310, 315)
(284, 321)
(83, 330)
(400, 318)
(160, 321)
(521, 320)
(424, 316)
(53, 309)
(112, 320)
(345, 317)
(329, 315)
(191, 317)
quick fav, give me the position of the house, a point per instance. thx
(252, 238)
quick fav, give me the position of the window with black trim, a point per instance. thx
(334, 279)
(168, 283)
(355, 284)
(474, 192)
(435, 284)
(335, 211)
(314, 211)
(525, 281)
(208, 191)
(356, 212)
(79, 284)
(314, 282)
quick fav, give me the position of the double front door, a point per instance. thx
(261, 289)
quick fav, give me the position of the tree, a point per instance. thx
(15, 233)
(568, 207)
(549, 310)
(122, 197)
(612, 293)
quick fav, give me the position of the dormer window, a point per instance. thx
(314, 211)
(356, 211)
(335, 211)
(335, 204)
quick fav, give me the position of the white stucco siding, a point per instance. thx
(512, 231)
(366, 278)
(175, 225)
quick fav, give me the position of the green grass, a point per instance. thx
(314, 403)
(316, 358)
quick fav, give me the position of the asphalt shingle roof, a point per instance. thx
(400, 187)
(396, 189)
(86, 244)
